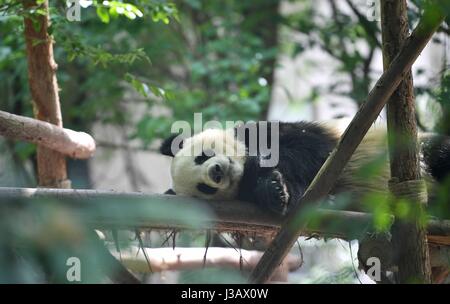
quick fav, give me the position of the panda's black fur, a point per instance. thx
(303, 148)
(436, 155)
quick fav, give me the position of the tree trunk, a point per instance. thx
(42, 67)
(44, 91)
(409, 238)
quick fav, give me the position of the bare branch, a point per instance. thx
(370, 27)
(68, 142)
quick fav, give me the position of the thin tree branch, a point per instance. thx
(370, 27)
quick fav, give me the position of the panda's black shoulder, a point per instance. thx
(310, 135)
(303, 148)
(312, 128)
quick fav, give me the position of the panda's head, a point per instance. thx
(208, 165)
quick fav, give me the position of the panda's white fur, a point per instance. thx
(229, 154)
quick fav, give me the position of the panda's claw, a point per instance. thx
(281, 188)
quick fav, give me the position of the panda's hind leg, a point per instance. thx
(272, 192)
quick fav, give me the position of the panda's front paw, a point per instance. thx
(272, 192)
(277, 181)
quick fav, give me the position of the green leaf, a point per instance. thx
(103, 14)
(130, 15)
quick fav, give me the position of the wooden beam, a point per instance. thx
(110, 209)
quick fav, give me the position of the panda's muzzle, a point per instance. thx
(216, 173)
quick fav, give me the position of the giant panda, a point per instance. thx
(217, 164)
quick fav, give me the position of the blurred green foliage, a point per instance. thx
(193, 56)
(173, 58)
(442, 95)
(37, 241)
(37, 237)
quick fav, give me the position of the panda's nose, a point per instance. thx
(216, 173)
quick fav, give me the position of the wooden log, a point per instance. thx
(179, 258)
(65, 141)
(111, 209)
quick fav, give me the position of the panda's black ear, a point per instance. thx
(166, 146)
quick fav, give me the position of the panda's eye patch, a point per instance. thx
(206, 189)
(206, 154)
